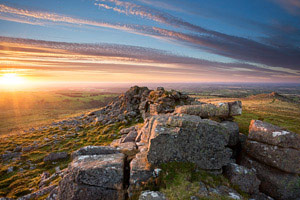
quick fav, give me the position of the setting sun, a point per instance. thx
(11, 79)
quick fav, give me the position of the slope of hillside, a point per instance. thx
(24, 110)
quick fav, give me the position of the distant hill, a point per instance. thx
(274, 96)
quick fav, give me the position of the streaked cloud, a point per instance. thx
(124, 61)
(251, 58)
(212, 41)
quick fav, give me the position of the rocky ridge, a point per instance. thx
(176, 128)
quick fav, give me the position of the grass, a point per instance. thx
(180, 181)
(24, 110)
(27, 170)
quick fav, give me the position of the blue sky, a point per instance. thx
(133, 41)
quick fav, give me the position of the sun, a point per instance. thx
(11, 79)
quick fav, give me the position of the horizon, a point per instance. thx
(142, 41)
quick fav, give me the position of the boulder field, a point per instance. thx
(177, 128)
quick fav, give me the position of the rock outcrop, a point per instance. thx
(140, 102)
(186, 138)
(275, 155)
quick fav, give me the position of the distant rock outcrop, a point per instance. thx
(140, 102)
(275, 155)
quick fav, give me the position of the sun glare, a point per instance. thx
(11, 80)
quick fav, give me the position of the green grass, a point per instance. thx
(19, 183)
(24, 110)
(180, 181)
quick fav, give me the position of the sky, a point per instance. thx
(137, 41)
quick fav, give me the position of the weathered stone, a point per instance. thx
(235, 108)
(38, 194)
(260, 196)
(94, 177)
(56, 156)
(204, 110)
(233, 130)
(242, 139)
(186, 138)
(18, 149)
(130, 137)
(94, 150)
(69, 189)
(211, 110)
(99, 170)
(128, 148)
(273, 135)
(152, 195)
(29, 148)
(222, 109)
(140, 169)
(127, 130)
(225, 191)
(285, 159)
(44, 176)
(203, 191)
(275, 183)
(9, 155)
(53, 194)
(243, 177)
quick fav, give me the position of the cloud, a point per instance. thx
(241, 49)
(59, 58)
(292, 6)
(212, 41)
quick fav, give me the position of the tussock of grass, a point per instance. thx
(180, 181)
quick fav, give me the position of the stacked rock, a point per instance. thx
(275, 155)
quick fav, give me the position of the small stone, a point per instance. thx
(152, 195)
(10, 169)
(56, 156)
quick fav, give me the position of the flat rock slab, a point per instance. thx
(285, 159)
(99, 170)
(212, 110)
(186, 138)
(94, 150)
(275, 183)
(273, 135)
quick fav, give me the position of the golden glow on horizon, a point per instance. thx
(11, 80)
